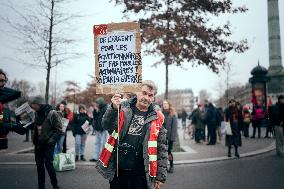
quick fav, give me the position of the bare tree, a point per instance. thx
(220, 89)
(41, 88)
(229, 81)
(180, 31)
(43, 29)
(27, 90)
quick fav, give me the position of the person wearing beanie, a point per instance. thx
(101, 135)
(276, 118)
(38, 100)
(79, 134)
(47, 131)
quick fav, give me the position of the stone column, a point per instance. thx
(275, 62)
(275, 85)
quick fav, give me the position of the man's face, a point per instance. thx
(145, 97)
(281, 101)
(35, 107)
(3, 81)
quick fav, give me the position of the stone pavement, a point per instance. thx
(200, 153)
(20, 152)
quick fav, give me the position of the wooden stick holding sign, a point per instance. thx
(118, 65)
(118, 131)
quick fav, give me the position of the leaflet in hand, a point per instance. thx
(64, 124)
(26, 114)
(86, 127)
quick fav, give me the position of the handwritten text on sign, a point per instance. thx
(118, 60)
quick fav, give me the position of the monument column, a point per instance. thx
(275, 70)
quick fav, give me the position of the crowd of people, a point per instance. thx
(131, 151)
(134, 138)
(209, 123)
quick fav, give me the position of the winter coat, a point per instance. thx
(183, 115)
(211, 116)
(78, 120)
(109, 123)
(235, 138)
(98, 116)
(257, 113)
(51, 124)
(198, 119)
(276, 116)
(171, 125)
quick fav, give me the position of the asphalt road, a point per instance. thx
(260, 172)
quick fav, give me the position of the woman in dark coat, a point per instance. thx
(198, 122)
(233, 115)
(171, 125)
(79, 134)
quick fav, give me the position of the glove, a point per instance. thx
(18, 128)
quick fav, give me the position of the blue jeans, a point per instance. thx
(59, 145)
(100, 140)
(80, 143)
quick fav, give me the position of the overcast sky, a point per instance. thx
(251, 25)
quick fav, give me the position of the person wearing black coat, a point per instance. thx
(47, 131)
(79, 134)
(171, 125)
(276, 118)
(100, 133)
(233, 115)
(6, 123)
(211, 119)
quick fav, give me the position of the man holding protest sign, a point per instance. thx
(135, 155)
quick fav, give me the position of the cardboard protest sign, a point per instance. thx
(118, 66)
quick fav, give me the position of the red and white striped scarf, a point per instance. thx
(155, 127)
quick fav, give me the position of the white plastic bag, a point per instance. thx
(64, 162)
(228, 128)
(223, 128)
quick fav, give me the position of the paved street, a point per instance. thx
(200, 166)
(258, 172)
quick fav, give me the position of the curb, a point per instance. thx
(223, 158)
(182, 162)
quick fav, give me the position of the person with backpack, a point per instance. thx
(47, 131)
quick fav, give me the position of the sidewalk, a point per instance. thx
(20, 152)
(199, 153)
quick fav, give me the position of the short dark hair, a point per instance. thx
(280, 97)
(3, 73)
(232, 100)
